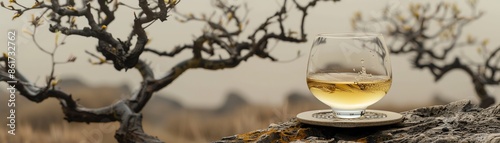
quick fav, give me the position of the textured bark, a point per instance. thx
(434, 49)
(459, 121)
(125, 54)
(132, 131)
(485, 99)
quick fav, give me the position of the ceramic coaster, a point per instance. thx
(370, 118)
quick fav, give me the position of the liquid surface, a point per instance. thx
(348, 91)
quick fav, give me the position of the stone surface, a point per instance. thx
(459, 121)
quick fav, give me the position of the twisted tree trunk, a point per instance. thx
(132, 132)
(485, 100)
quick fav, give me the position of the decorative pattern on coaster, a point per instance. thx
(368, 115)
(370, 118)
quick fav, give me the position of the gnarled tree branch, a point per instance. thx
(216, 35)
(433, 48)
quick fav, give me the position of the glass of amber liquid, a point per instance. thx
(349, 71)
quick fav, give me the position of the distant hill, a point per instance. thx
(71, 82)
(161, 108)
(234, 100)
(295, 97)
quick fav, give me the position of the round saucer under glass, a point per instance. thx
(370, 118)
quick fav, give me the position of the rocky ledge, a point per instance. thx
(459, 121)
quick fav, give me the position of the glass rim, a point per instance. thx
(349, 35)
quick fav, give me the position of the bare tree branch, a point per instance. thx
(417, 38)
(217, 36)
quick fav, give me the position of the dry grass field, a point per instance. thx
(166, 119)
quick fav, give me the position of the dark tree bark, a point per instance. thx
(433, 48)
(124, 54)
(486, 100)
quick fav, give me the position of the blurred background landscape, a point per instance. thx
(202, 105)
(168, 119)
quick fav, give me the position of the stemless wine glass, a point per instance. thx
(349, 71)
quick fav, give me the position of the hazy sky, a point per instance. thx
(262, 81)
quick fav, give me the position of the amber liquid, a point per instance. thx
(348, 91)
